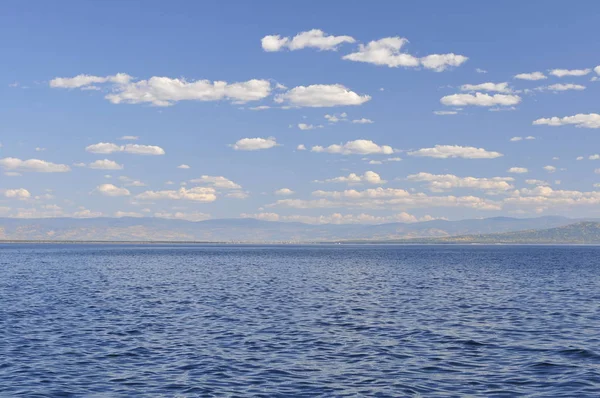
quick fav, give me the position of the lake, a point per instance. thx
(301, 321)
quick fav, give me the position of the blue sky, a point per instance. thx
(397, 79)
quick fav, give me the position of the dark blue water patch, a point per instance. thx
(302, 321)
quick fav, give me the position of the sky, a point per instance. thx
(319, 112)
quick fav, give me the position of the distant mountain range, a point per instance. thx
(586, 232)
(257, 231)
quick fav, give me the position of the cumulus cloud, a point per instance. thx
(356, 147)
(129, 138)
(497, 87)
(385, 198)
(384, 51)
(368, 177)
(284, 192)
(517, 170)
(304, 126)
(444, 113)
(82, 81)
(105, 164)
(387, 52)
(130, 182)
(136, 149)
(321, 96)
(18, 193)
(515, 139)
(480, 99)
(183, 166)
(362, 121)
(339, 218)
(111, 190)
(314, 38)
(455, 151)
(301, 147)
(262, 216)
(443, 182)
(32, 165)
(254, 144)
(531, 76)
(219, 182)
(165, 91)
(590, 120)
(336, 118)
(550, 169)
(196, 194)
(191, 216)
(569, 72)
(561, 87)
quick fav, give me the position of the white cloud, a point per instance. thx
(38, 149)
(216, 182)
(136, 149)
(385, 198)
(356, 147)
(339, 218)
(119, 214)
(86, 213)
(130, 182)
(480, 99)
(18, 193)
(594, 157)
(105, 164)
(301, 147)
(550, 169)
(336, 118)
(387, 51)
(455, 151)
(591, 120)
(183, 166)
(362, 121)
(597, 69)
(237, 195)
(129, 138)
(479, 70)
(561, 87)
(32, 165)
(321, 95)
(384, 51)
(518, 170)
(536, 182)
(571, 72)
(165, 91)
(254, 144)
(369, 177)
(515, 139)
(304, 126)
(579, 158)
(314, 38)
(111, 190)
(444, 113)
(193, 216)
(531, 76)
(197, 194)
(440, 62)
(80, 81)
(284, 192)
(375, 162)
(497, 87)
(442, 182)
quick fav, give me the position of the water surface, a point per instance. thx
(302, 321)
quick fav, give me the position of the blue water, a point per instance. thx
(284, 321)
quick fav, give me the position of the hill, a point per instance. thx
(252, 230)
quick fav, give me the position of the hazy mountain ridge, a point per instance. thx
(252, 230)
